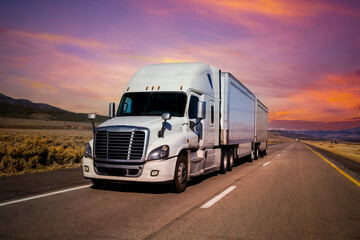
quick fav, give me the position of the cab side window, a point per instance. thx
(193, 107)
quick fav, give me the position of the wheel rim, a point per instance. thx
(182, 173)
(231, 160)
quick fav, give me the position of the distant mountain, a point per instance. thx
(341, 135)
(289, 134)
(352, 134)
(23, 108)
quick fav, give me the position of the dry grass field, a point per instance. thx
(275, 138)
(347, 150)
(16, 123)
(38, 145)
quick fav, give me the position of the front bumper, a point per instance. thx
(165, 168)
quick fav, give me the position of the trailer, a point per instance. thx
(261, 130)
(237, 116)
(174, 122)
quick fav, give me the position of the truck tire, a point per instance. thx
(265, 152)
(224, 161)
(230, 159)
(256, 153)
(180, 175)
(251, 156)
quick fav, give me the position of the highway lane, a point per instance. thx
(296, 195)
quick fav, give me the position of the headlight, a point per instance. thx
(88, 151)
(159, 153)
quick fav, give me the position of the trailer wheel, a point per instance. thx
(251, 156)
(256, 152)
(265, 152)
(230, 159)
(224, 161)
(180, 176)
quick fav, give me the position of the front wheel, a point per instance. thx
(180, 176)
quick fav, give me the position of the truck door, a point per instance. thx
(196, 132)
(205, 130)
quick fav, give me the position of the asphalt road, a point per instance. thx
(290, 194)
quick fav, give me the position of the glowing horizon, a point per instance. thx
(300, 58)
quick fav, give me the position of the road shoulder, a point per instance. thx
(18, 186)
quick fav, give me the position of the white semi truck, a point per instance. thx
(176, 121)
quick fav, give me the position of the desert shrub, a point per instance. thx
(33, 162)
(6, 164)
(26, 153)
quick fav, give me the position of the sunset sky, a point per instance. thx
(301, 58)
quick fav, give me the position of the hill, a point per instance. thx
(352, 134)
(338, 135)
(25, 109)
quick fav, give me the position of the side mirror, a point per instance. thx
(201, 111)
(111, 110)
(92, 117)
(166, 116)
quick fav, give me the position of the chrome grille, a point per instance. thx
(119, 145)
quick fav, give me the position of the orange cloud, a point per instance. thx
(337, 98)
(246, 13)
(58, 39)
(264, 7)
(277, 8)
(37, 86)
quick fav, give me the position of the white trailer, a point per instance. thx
(175, 122)
(261, 129)
(237, 116)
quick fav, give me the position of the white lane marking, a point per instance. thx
(278, 155)
(265, 164)
(44, 195)
(218, 197)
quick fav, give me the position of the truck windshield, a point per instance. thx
(152, 104)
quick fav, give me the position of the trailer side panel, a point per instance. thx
(239, 110)
(261, 124)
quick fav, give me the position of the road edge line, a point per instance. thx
(43, 195)
(338, 169)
